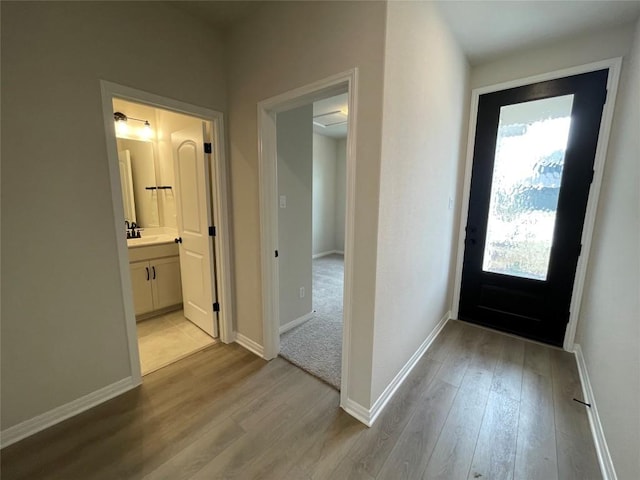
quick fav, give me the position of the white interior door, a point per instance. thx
(193, 217)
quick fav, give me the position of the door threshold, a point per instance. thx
(507, 334)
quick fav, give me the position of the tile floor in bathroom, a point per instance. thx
(168, 338)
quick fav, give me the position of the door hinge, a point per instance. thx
(276, 253)
(212, 231)
(207, 147)
(606, 95)
(580, 250)
(593, 174)
(216, 307)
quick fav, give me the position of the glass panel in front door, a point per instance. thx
(529, 160)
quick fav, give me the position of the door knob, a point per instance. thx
(178, 240)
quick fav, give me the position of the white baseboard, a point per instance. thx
(369, 416)
(249, 344)
(324, 254)
(384, 398)
(298, 321)
(36, 424)
(604, 456)
(357, 411)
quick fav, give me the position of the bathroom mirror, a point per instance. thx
(138, 181)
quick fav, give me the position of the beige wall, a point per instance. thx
(282, 47)
(329, 182)
(341, 190)
(295, 183)
(324, 194)
(63, 330)
(609, 328)
(576, 51)
(424, 100)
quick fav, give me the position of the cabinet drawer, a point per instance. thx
(148, 252)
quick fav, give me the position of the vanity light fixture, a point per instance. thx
(122, 126)
(146, 131)
(121, 123)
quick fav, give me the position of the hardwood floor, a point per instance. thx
(478, 405)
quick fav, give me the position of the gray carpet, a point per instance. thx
(316, 345)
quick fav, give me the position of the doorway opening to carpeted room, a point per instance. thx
(311, 170)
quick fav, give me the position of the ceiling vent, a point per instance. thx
(330, 119)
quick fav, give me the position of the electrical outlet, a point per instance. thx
(301, 292)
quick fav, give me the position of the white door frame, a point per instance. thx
(218, 172)
(267, 155)
(613, 64)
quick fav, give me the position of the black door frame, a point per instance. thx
(614, 66)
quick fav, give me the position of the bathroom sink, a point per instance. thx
(149, 240)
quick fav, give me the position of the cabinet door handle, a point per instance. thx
(154, 272)
(147, 269)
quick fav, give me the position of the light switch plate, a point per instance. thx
(283, 201)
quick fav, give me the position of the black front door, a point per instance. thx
(532, 169)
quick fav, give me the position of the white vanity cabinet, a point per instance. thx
(141, 286)
(155, 278)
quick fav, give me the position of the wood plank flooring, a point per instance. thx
(479, 404)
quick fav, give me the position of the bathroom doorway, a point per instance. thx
(169, 185)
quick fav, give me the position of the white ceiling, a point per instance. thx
(488, 29)
(322, 108)
(485, 29)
